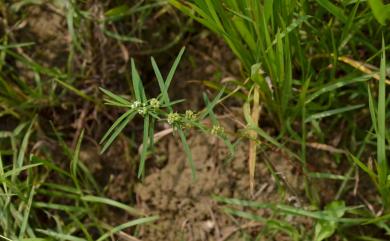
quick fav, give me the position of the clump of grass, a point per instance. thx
(327, 221)
(260, 39)
(46, 195)
(302, 64)
(29, 194)
(380, 10)
(263, 42)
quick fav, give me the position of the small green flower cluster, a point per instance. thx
(217, 130)
(187, 121)
(173, 118)
(182, 120)
(143, 108)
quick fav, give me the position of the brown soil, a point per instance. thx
(186, 208)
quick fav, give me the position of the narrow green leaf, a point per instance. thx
(137, 83)
(26, 213)
(16, 171)
(145, 145)
(118, 10)
(339, 83)
(332, 112)
(381, 11)
(5, 238)
(331, 176)
(118, 130)
(113, 203)
(173, 69)
(122, 38)
(319, 215)
(188, 153)
(74, 90)
(246, 35)
(70, 15)
(23, 147)
(17, 45)
(333, 9)
(33, 239)
(116, 124)
(115, 97)
(268, 9)
(127, 225)
(381, 134)
(161, 83)
(60, 207)
(75, 159)
(372, 108)
(210, 106)
(366, 169)
(60, 236)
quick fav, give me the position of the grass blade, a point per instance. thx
(333, 9)
(365, 168)
(26, 214)
(173, 69)
(118, 126)
(75, 159)
(336, 85)
(116, 123)
(137, 83)
(127, 225)
(113, 203)
(332, 112)
(161, 83)
(60, 236)
(115, 97)
(23, 147)
(188, 153)
(145, 145)
(381, 134)
(210, 105)
(75, 90)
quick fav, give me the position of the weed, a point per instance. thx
(160, 108)
(380, 175)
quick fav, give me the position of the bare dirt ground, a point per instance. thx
(186, 207)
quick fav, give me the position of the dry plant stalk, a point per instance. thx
(362, 67)
(253, 139)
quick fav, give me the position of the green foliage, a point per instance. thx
(334, 9)
(380, 10)
(48, 193)
(260, 38)
(28, 193)
(307, 59)
(325, 229)
(380, 175)
(327, 220)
